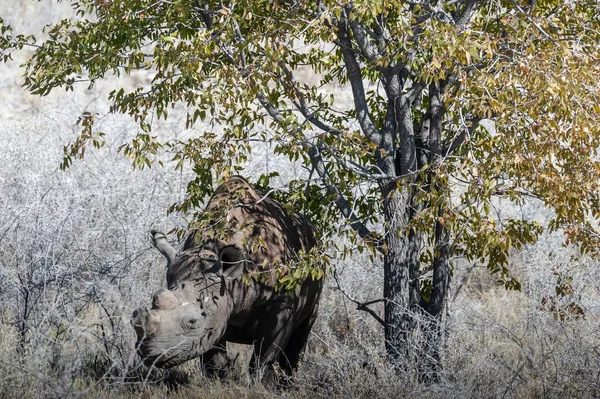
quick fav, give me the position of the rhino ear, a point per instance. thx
(233, 261)
(160, 242)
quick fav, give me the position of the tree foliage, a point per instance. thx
(407, 158)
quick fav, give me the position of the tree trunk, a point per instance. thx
(432, 366)
(401, 277)
(413, 330)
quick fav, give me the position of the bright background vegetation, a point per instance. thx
(75, 260)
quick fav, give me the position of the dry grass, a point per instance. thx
(75, 260)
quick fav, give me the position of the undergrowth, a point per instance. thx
(76, 259)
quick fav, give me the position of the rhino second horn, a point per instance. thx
(164, 299)
(161, 243)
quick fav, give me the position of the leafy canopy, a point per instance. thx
(264, 71)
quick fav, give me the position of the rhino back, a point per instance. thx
(242, 216)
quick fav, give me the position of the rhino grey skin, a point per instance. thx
(207, 303)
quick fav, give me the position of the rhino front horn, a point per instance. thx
(164, 300)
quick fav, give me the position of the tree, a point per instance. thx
(408, 164)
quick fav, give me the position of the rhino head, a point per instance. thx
(190, 317)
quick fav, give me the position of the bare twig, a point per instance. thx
(364, 306)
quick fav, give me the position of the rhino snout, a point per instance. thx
(145, 322)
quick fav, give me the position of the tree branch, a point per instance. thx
(270, 108)
(341, 201)
(318, 165)
(368, 50)
(462, 18)
(359, 170)
(355, 78)
(302, 106)
(360, 305)
(460, 138)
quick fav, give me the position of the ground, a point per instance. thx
(75, 260)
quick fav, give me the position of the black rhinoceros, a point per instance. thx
(208, 302)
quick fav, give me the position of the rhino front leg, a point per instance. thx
(276, 328)
(217, 363)
(291, 355)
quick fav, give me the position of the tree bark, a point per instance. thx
(432, 365)
(401, 277)
(413, 326)
(441, 251)
(413, 330)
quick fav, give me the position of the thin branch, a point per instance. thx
(302, 105)
(358, 91)
(462, 18)
(340, 200)
(264, 197)
(360, 305)
(367, 49)
(311, 117)
(359, 170)
(355, 168)
(528, 17)
(460, 138)
(270, 108)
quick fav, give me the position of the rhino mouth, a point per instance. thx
(165, 358)
(163, 361)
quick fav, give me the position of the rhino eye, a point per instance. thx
(209, 258)
(209, 261)
(193, 323)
